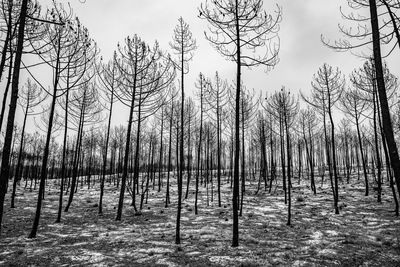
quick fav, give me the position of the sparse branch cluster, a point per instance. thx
(243, 25)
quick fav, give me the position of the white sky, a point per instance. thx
(301, 52)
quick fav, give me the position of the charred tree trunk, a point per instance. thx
(5, 165)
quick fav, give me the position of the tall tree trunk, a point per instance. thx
(7, 45)
(377, 147)
(333, 145)
(312, 161)
(21, 146)
(243, 163)
(362, 157)
(388, 165)
(282, 140)
(273, 167)
(218, 152)
(43, 173)
(235, 195)
(160, 161)
(289, 166)
(126, 156)
(386, 120)
(181, 157)
(103, 176)
(167, 199)
(137, 148)
(328, 160)
(76, 161)
(64, 152)
(189, 156)
(199, 145)
(7, 88)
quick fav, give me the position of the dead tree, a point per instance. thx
(183, 45)
(140, 67)
(284, 107)
(353, 103)
(308, 122)
(191, 112)
(201, 84)
(216, 98)
(30, 97)
(54, 50)
(8, 15)
(364, 81)
(328, 85)
(6, 151)
(237, 29)
(369, 31)
(107, 76)
(84, 111)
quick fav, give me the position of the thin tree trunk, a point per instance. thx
(103, 176)
(199, 145)
(289, 174)
(235, 195)
(362, 157)
(126, 156)
(17, 171)
(160, 161)
(76, 161)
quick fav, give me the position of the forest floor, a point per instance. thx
(365, 233)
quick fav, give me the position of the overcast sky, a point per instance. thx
(301, 51)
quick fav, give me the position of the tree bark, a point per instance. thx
(386, 120)
(5, 165)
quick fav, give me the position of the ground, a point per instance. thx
(365, 233)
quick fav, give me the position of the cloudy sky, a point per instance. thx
(301, 51)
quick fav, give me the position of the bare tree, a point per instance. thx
(30, 97)
(8, 14)
(150, 97)
(237, 29)
(364, 81)
(85, 111)
(375, 33)
(79, 57)
(5, 165)
(201, 85)
(327, 86)
(183, 45)
(170, 114)
(216, 98)
(144, 68)
(353, 103)
(107, 75)
(54, 49)
(308, 123)
(248, 108)
(191, 112)
(284, 107)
